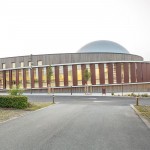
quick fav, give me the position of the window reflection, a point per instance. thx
(88, 68)
(69, 75)
(79, 75)
(97, 74)
(106, 73)
(21, 78)
(36, 78)
(7, 80)
(13, 78)
(114, 74)
(44, 77)
(61, 76)
(28, 78)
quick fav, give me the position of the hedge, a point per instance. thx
(19, 102)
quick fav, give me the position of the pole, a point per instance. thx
(71, 90)
(53, 99)
(137, 101)
(31, 74)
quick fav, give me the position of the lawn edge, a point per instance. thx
(146, 122)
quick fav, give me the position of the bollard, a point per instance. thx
(71, 90)
(137, 101)
(53, 99)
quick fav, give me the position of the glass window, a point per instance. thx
(28, 78)
(106, 73)
(53, 77)
(114, 74)
(97, 74)
(129, 73)
(79, 74)
(7, 80)
(61, 76)
(29, 63)
(69, 75)
(36, 78)
(3, 66)
(39, 63)
(21, 78)
(44, 77)
(22, 64)
(13, 78)
(88, 68)
(13, 65)
(122, 73)
(1, 80)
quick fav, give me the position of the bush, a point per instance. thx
(15, 91)
(19, 102)
(145, 95)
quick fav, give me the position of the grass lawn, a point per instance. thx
(144, 110)
(8, 113)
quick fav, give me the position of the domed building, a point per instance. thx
(111, 65)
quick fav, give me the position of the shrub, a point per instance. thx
(19, 102)
(112, 94)
(15, 91)
(145, 95)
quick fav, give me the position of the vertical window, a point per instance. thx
(61, 76)
(7, 80)
(29, 63)
(69, 75)
(1, 80)
(135, 72)
(3, 66)
(53, 77)
(106, 73)
(28, 78)
(97, 74)
(129, 73)
(22, 64)
(36, 78)
(39, 63)
(44, 77)
(79, 74)
(13, 65)
(21, 78)
(122, 73)
(13, 78)
(88, 68)
(114, 74)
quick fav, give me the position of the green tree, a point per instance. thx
(49, 74)
(86, 75)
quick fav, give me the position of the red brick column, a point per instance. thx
(93, 77)
(74, 74)
(65, 69)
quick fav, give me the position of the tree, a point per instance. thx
(86, 76)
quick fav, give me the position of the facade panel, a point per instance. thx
(118, 72)
(102, 76)
(65, 75)
(74, 73)
(126, 72)
(93, 77)
(110, 73)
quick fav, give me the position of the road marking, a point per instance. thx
(101, 101)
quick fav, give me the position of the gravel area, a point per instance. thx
(8, 113)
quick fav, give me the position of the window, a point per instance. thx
(7, 80)
(21, 78)
(97, 74)
(69, 75)
(53, 77)
(61, 76)
(114, 74)
(36, 78)
(29, 64)
(28, 78)
(22, 64)
(44, 77)
(88, 68)
(39, 63)
(79, 75)
(3, 66)
(1, 80)
(122, 73)
(13, 65)
(13, 78)
(106, 73)
(129, 73)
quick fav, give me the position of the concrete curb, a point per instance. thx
(147, 123)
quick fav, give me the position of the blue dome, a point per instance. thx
(103, 46)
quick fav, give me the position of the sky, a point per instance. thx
(64, 26)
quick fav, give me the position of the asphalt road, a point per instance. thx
(78, 123)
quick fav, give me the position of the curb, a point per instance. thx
(146, 122)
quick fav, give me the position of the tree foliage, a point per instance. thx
(49, 74)
(86, 75)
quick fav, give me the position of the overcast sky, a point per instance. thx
(64, 26)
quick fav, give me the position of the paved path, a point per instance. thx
(78, 123)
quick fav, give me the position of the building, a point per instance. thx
(112, 68)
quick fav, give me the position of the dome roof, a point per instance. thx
(103, 46)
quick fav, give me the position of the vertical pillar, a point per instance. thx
(126, 72)
(118, 72)
(133, 73)
(40, 77)
(10, 78)
(65, 69)
(24, 79)
(110, 73)
(74, 73)
(17, 77)
(32, 77)
(4, 79)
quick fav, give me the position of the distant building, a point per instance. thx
(112, 67)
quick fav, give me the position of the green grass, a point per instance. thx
(38, 105)
(144, 110)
